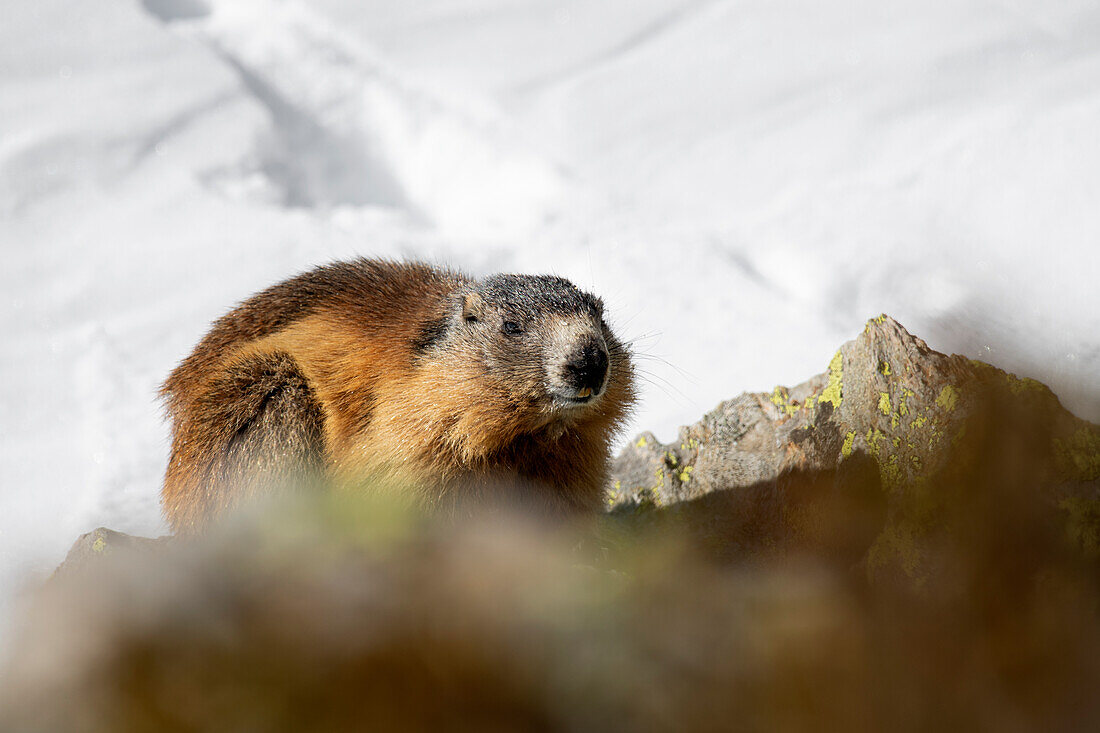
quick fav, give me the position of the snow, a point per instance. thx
(743, 182)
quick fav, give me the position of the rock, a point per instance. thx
(102, 542)
(965, 500)
(883, 431)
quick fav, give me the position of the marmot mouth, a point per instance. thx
(581, 397)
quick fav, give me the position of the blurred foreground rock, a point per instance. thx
(908, 541)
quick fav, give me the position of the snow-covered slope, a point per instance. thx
(743, 182)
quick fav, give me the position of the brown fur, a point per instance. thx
(363, 369)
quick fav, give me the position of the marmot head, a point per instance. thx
(543, 348)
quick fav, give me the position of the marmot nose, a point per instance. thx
(587, 367)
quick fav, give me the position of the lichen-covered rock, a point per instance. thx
(966, 500)
(102, 542)
(890, 418)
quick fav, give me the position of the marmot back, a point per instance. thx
(511, 386)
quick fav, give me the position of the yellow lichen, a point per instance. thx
(890, 471)
(685, 475)
(1018, 385)
(641, 442)
(780, 397)
(833, 391)
(884, 403)
(874, 435)
(948, 398)
(903, 406)
(934, 439)
(99, 545)
(846, 449)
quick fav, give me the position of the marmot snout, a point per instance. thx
(461, 388)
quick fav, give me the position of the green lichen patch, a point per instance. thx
(1019, 385)
(903, 403)
(614, 494)
(833, 391)
(691, 445)
(935, 434)
(890, 471)
(889, 467)
(781, 398)
(948, 398)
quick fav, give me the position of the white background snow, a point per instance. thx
(743, 181)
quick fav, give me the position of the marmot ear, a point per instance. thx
(473, 307)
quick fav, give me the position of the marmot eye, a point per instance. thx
(511, 328)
